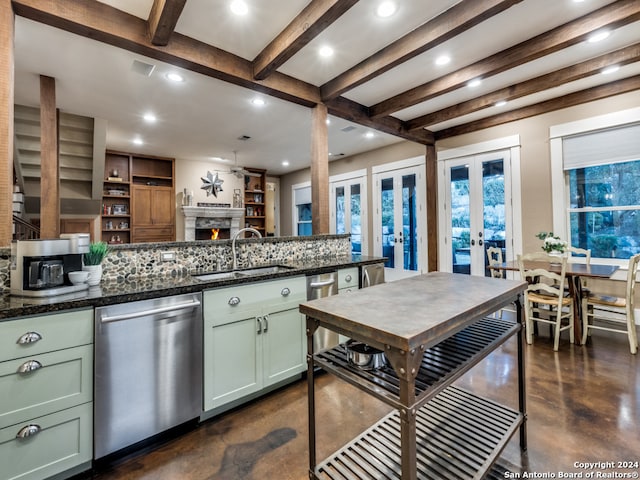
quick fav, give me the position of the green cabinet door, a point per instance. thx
(284, 345)
(233, 362)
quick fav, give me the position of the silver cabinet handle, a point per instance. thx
(29, 337)
(233, 301)
(347, 278)
(259, 320)
(266, 323)
(285, 292)
(322, 284)
(30, 366)
(28, 431)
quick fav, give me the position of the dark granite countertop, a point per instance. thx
(108, 293)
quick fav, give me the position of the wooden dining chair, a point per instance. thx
(544, 298)
(597, 307)
(494, 257)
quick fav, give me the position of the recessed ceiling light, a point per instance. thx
(328, 121)
(239, 7)
(369, 134)
(611, 69)
(598, 36)
(138, 141)
(476, 82)
(325, 51)
(386, 9)
(285, 163)
(501, 103)
(259, 102)
(443, 60)
(175, 77)
(578, 1)
(149, 117)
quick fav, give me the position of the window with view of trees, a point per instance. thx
(602, 172)
(604, 211)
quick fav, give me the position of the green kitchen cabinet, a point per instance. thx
(347, 279)
(254, 339)
(46, 395)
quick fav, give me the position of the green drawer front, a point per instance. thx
(348, 278)
(63, 442)
(57, 331)
(219, 307)
(64, 380)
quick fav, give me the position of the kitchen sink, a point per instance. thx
(263, 270)
(207, 277)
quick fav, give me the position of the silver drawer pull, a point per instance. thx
(28, 431)
(348, 278)
(234, 301)
(259, 320)
(29, 337)
(30, 366)
(285, 292)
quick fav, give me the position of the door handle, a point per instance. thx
(29, 337)
(266, 323)
(259, 320)
(480, 242)
(473, 242)
(28, 431)
(29, 366)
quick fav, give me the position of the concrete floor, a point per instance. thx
(583, 406)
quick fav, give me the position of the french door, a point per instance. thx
(401, 220)
(348, 210)
(477, 210)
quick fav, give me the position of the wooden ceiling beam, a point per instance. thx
(577, 98)
(575, 72)
(445, 26)
(163, 18)
(614, 15)
(357, 113)
(101, 22)
(316, 17)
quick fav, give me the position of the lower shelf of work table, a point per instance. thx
(441, 363)
(458, 435)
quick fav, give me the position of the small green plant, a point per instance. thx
(551, 242)
(97, 252)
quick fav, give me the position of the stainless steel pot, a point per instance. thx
(364, 356)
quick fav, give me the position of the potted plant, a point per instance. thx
(92, 261)
(552, 244)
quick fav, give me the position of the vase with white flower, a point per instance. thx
(552, 244)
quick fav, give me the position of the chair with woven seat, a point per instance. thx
(544, 298)
(620, 309)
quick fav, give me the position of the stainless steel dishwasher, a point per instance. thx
(319, 286)
(148, 369)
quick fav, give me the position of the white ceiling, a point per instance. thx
(203, 117)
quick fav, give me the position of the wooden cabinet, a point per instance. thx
(139, 199)
(46, 395)
(254, 338)
(254, 200)
(153, 214)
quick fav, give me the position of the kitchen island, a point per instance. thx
(432, 328)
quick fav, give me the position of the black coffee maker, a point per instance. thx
(40, 268)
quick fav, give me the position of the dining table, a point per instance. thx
(574, 273)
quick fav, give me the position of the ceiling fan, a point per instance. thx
(239, 171)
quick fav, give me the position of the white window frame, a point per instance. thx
(364, 211)
(294, 207)
(559, 181)
(511, 143)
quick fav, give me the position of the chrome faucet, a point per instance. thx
(233, 243)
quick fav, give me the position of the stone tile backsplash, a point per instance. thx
(138, 261)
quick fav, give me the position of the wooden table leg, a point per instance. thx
(575, 292)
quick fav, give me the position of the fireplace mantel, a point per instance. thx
(192, 213)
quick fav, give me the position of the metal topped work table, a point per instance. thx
(432, 328)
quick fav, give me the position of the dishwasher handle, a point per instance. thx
(324, 283)
(154, 311)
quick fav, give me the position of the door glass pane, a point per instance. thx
(340, 221)
(409, 223)
(304, 219)
(387, 211)
(460, 220)
(493, 208)
(356, 220)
